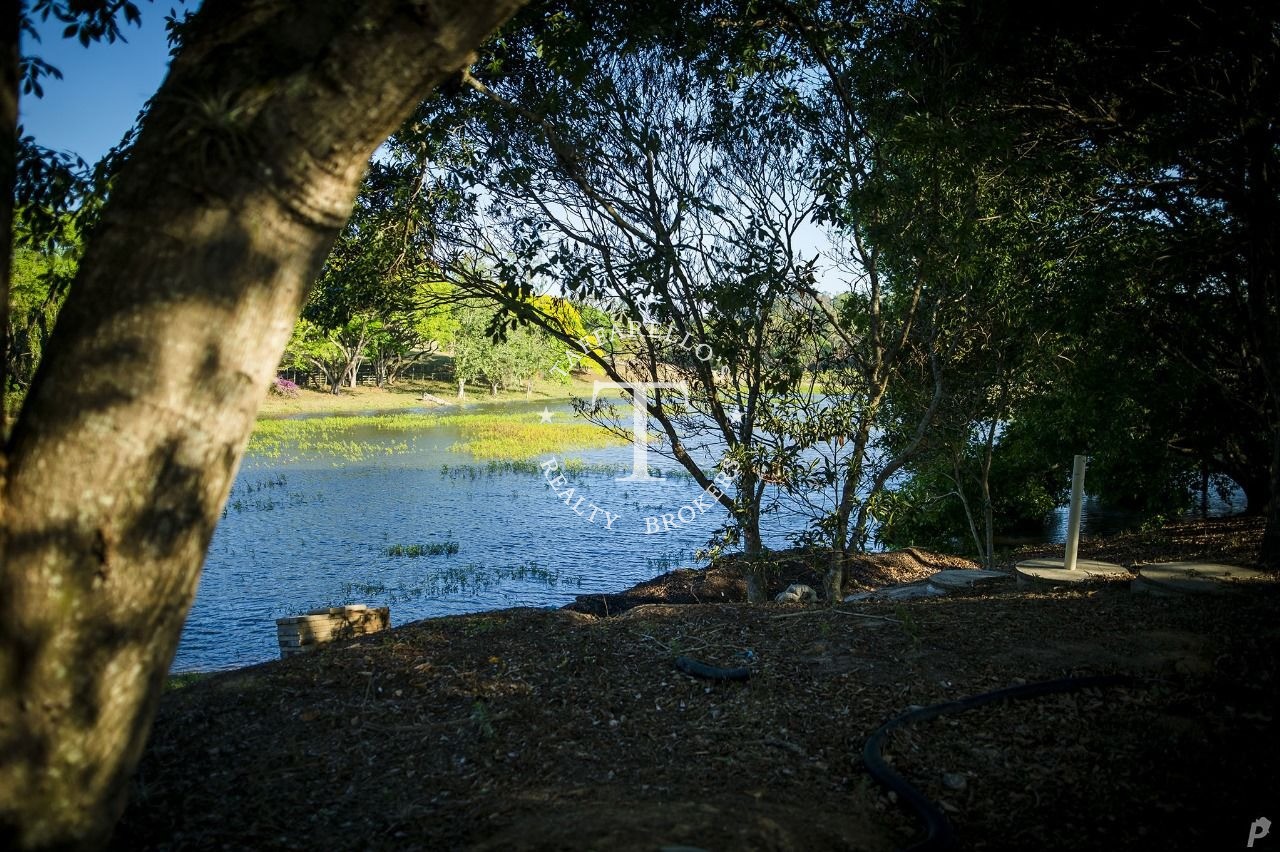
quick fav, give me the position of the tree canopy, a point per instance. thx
(905, 258)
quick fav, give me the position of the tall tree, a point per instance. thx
(244, 172)
(1176, 105)
(618, 176)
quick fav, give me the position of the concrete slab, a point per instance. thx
(955, 579)
(1197, 578)
(1051, 572)
(904, 592)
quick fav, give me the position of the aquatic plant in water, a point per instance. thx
(439, 548)
(497, 467)
(525, 437)
(511, 437)
(452, 580)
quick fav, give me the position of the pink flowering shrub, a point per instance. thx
(283, 387)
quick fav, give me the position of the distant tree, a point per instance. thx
(408, 336)
(367, 298)
(476, 356)
(312, 350)
(486, 349)
(533, 354)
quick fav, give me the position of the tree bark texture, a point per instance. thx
(245, 170)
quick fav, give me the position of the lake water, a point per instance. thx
(304, 533)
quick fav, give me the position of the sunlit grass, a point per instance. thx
(408, 393)
(331, 436)
(511, 437)
(522, 437)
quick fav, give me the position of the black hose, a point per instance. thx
(697, 668)
(938, 834)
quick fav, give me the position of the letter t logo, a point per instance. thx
(639, 421)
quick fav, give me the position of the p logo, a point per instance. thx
(1258, 829)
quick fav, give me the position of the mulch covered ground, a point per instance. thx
(535, 729)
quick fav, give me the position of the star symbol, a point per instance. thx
(546, 415)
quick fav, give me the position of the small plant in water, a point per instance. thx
(439, 548)
(450, 580)
(664, 563)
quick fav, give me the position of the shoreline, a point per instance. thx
(722, 582)
(539, 728)
(407, 394)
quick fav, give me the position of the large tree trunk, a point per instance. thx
(245, 170)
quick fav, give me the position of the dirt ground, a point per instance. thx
(537, 729)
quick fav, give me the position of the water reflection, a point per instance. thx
(1097, 519)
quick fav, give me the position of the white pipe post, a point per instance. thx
(1073, 519)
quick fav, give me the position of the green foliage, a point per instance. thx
(1014, 231)
(1027, 480)
(486, 350)
(378, 297)
(41, 273)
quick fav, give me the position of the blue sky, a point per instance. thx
(103, 86)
